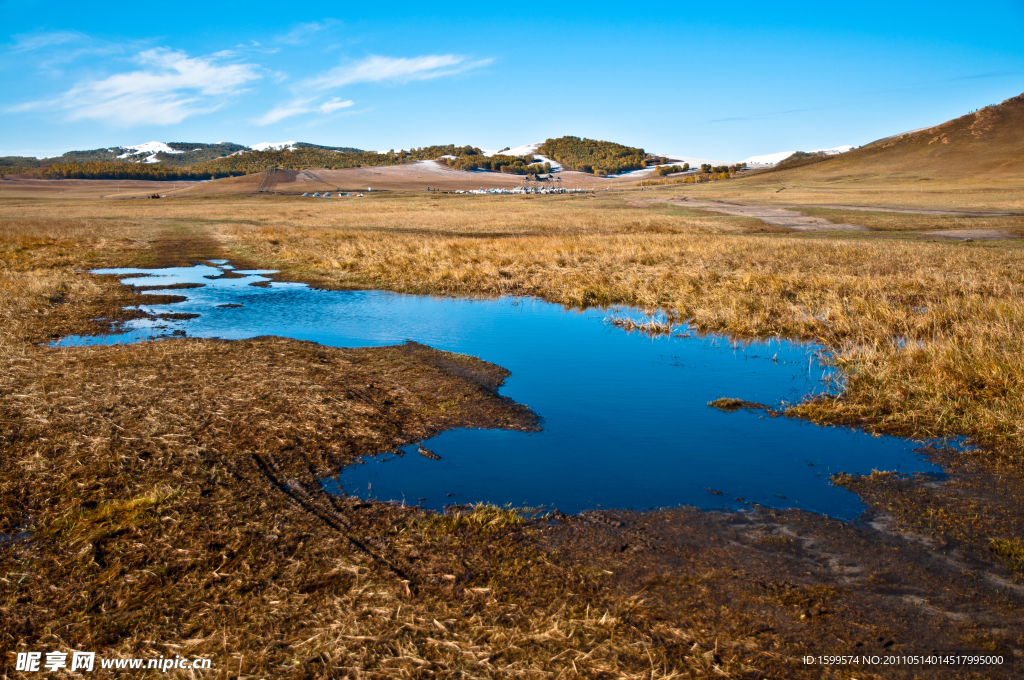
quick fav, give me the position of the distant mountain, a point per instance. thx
(985, 141)
(175, 154)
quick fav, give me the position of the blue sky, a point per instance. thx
(712, 80)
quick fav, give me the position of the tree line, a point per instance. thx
(131, 171)
(707, 167)
(585, 155)
(591, 155)
(247, 163)
(663, 170)
(514, 165)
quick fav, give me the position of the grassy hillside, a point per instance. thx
(988, 142)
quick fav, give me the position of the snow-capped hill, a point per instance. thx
(523, 150)
(275, 146)
(837, 150)
(775, 158)
(676, 159)
(151, 148)
(526, 150)
(768, 158)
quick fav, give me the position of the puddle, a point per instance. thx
(10, 538)
(625, 416)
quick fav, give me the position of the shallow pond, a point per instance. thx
(625, 416)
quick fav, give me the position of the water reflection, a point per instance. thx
(625, 416)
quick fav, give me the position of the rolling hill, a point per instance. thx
(988, 142)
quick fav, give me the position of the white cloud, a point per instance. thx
(376, 69)
(369, 70)
(170, 87)
(301, 106)
(284, 111)
(334, 105)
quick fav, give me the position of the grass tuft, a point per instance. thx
(1012, 550)
(484, 517)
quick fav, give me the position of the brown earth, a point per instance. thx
(408, 177)
(920, 211)
(23, 187)
(971, 234)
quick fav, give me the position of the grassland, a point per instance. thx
(169, 490)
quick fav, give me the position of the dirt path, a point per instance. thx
(784, 217)
(970, 234)
(777, 217)
(915, 211)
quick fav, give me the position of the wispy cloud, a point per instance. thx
(298, 107)
(334, 105)
(375, 69)
(303, 32)
(872, 97)
(26, 42)
(372, 69)
(978, 76)
(170, 87)
(51, 51)
(770, 114)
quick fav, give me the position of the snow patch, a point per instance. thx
(836, 151)
(676, 159)
(152, 148)
(526, 150)
(555, 165)
(775, 158)
(275, 146)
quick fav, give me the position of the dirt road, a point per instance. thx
(784, 217)
(777, 217)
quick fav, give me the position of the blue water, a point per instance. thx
(625, 416)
